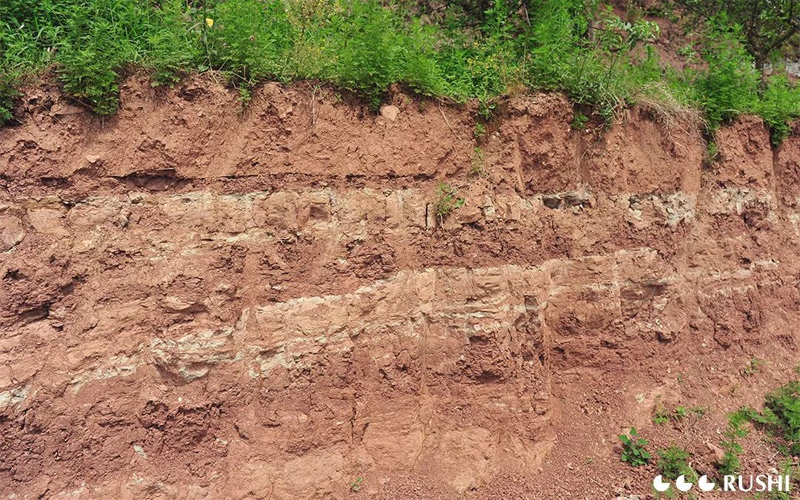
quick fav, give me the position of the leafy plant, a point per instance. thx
(779, 104)
(480, 49)
(782, 409)
(662, 415)
(579, 121)
(735, 430)
(674, 462)
(765, 29)
(634, 449)
(729, 86)
(447, 201)
(480, 130)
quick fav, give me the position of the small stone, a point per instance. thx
(61, 109)
(11, 232)
(390, 112)
(93, 158)
(717, 453)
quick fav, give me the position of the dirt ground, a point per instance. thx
(201, 301)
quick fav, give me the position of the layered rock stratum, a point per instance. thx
(203, 302)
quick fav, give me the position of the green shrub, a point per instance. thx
(634, 449)
(782, 413)
(674, 462)
(729, 86)
(249, 40)
(779, 104)
(735, 430)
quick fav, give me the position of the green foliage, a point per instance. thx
(679, 413)
(480, 130)
(661, 416)
(779, 104)
(729, 86)
(477, 49)
(249, 40)
(674, 462)
(766, 26)
(579, 121)
(7, 93)
(782, 413)
(634, 449)
(447, 201)
(735, 430)
(92, 41)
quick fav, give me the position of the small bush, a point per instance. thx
(674, 462)
(730, 84)
(634, 449)
(249, 40)
(735, 430)
(779, 104)
(782, 409)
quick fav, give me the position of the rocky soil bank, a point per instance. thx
(200, 302)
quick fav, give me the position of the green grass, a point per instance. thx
(578, 47)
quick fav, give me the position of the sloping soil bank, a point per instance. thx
(199, 302)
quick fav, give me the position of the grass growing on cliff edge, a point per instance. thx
(458, 50)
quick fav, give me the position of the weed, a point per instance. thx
(355, 486)
(735, 430)
(674, 462)
(712, 152)
(753, 366)
(682, 412)
(730, 85)
(480, 130)
(447, 201)
(245, 97)
(7, 95)
(634, 449)
(662, 415)
(579, 121)
(779, 104)
(782, 414)
(477, 161)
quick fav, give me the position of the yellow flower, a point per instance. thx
(209, 22)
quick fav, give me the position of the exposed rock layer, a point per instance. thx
(203, 304)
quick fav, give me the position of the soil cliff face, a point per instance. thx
(203, 303)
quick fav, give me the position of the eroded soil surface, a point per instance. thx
(203, 302)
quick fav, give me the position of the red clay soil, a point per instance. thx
(200, 301)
